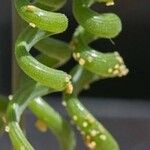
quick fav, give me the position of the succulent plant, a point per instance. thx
(41, 76)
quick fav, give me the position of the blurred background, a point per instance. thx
(126, 112)
(132, 44)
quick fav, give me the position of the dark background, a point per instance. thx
(5, 46)
(132, 43)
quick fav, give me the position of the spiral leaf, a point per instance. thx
(41, 78)
(42, 24)
(93, 65)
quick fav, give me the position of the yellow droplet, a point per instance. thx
(88, 137)
(75, 118)
(90, 118)
(103, 137)
(110, 70)
(69, 88)
(84, 124)
(120, 59)
(41, 126)
(111, 3)
(67, 79)
(30, 7)
(91, 145)
(78, 55)
(116, 72)
(7, 129)
(64, 103)
(125, 72)
(10, 97)
(74, 56)
(93, 133)
(32, 25)
(117, 66)
(116, 53)
(81, 61)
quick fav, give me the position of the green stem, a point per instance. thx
(55, 122)
(106, 25)
(94, 26)
(3, 106)
(49, 77)
(15, 110)
(95, 136)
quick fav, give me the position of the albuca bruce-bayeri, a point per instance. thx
(41, 76)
